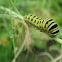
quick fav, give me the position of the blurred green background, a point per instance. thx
(38, 45)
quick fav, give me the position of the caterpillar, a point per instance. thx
(48, 26)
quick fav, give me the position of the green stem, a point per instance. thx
(13, 40)
(13, 5)
(11, 12)
(7, 15)
(14, 49)
(58, 40)
(19, 51)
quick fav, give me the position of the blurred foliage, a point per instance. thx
(10, 29)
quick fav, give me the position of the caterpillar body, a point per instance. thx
(44, 25)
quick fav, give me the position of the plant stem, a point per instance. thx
(58, 40)
(11, 12)
(7, 15)
(19, 51)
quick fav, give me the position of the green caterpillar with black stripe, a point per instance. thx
(44, 25)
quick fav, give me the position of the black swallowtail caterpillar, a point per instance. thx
(44, 25)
